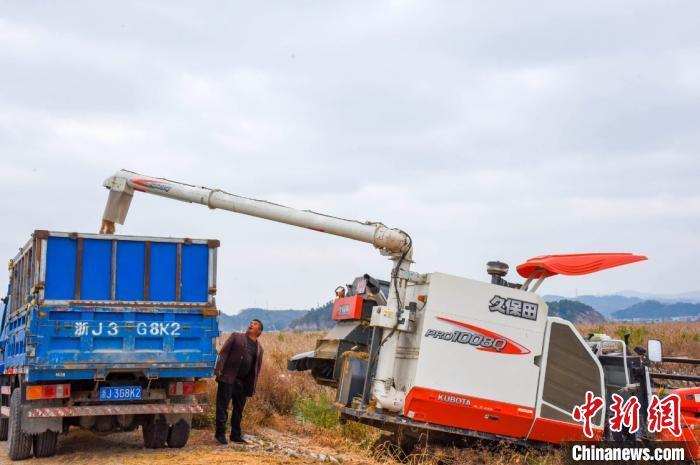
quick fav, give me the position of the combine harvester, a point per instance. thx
(450, 356)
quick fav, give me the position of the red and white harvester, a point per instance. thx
(447, 356)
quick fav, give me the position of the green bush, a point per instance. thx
(318, 410)
(204, 421)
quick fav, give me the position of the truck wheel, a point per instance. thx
(45, 444)
(179, 434)
(4, 422)
(155, 433)
(20, 444)
(4, 425)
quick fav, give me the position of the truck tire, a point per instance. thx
(4, 422)
(155, 432)
(19, 443)
(45, 444)
(4, 425)
(179, 434)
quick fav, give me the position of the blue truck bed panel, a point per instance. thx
(194, 275)
(82, 306)
(163, 272)
(131, 258)
(60, 268)
(96, 270)
(126, 269)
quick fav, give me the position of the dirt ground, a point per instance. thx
(267, 447)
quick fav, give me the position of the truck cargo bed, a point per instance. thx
(83, 306)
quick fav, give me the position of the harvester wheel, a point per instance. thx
(19, 443)
(179, 434)
(155, 432)
(397, 446)
(383, 442)
(407, 444)
(45, 444)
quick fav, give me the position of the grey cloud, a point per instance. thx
(487, 130)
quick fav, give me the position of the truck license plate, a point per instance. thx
(120, 393)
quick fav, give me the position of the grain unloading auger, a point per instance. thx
(441, 353)
(393, 243)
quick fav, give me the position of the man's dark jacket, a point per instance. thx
(234, 349)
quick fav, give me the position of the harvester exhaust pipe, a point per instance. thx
(497, 270)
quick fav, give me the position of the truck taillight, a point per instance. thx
(181, 388)
(48, 391)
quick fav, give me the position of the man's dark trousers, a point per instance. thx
(230, 394)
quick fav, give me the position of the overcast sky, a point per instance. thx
(487, 130)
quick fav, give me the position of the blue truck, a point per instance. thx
(107, 333)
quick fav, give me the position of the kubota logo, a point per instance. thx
(453, 399)
(480, 338)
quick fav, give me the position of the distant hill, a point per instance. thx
(575, 312)
(634, 306)
(655, 310)
(691, 296)
(316, 319)
(272, 320)
(605, 304)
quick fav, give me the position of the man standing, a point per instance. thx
(236, 372)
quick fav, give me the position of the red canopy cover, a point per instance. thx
(575, 264)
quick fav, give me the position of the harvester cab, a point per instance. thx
(625, 374)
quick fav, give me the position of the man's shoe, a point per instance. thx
(221, 438)
(238, 440)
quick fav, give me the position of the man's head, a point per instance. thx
(255, 328)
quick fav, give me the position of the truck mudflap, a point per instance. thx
(98, 410)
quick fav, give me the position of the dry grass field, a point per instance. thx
(678, 338)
